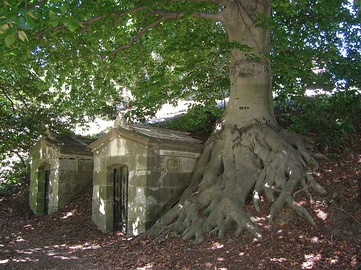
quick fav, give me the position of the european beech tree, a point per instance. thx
(204, 49)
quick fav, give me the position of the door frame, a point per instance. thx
(120, 177)
(44, 183)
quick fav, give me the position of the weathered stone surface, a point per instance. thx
(159, 164)
(69, 164)
(98, 177)
(61, 168)
(172, 179)
(85, 165)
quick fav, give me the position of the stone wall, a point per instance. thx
(118, 151)
(68, 175)
(45, 158)
(158, 173)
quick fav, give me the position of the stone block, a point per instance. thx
(102, 207)
(104, 222)
(64, 191)
(173, 165)
(155, 211)
(153, 179)
(35, 156)
(117, 160)
(69, 164)
(188, 165)
(143, 197)
(152, 162)
(106, 192)
(132, 193)
(136, 211)
(170, 179)
(132, 163)
(52, 208)
(138, 178)
(135, 227)
(99, 177)
(117, 147)
(141, 162)
(97, 163)
(85, 165)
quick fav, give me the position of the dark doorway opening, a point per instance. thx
(46, 191)
(120, 180)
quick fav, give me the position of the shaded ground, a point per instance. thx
(69, 240)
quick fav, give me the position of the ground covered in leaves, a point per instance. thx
(69, 240)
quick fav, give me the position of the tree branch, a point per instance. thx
(19, 156)
(221, 2)
(10, 100)
(208, 16)
(165, 16)
(100, 17)
(35, 4)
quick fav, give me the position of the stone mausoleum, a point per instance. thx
(139, 173)
(61, 168)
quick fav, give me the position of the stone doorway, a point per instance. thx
(120, 211)
(44, 188)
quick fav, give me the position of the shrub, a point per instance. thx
(198, 119)
(12, 175)
(330, 117)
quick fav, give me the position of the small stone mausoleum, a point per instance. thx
(139, 172)
(61, 168)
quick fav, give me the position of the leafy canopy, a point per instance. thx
(65, 61)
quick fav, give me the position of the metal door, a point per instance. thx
(46, 190)
(120, 179)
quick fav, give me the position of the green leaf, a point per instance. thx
(29, 13)
(3, 28)
(9, 40)
(72, 25)
(63, 9)
(22, 35)
(23, 23)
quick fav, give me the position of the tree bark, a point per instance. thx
(248, 153)
(250, 71)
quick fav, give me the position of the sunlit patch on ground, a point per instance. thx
(311, 261)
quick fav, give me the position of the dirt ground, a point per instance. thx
(69, 240)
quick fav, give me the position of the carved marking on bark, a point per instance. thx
(248, 67)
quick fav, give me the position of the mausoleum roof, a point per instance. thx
(149, 135)
(65, 144)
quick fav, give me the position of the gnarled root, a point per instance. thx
(253, 160)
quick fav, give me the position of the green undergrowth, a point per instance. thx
(13, 175)
(330, 118)
(198, 119)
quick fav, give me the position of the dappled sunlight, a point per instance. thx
(321, 214)
(67, 214)
(44, 254)
(280, 260)
(102, 207)
(217, 245)
(311, 261)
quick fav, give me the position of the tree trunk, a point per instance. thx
(250, 72)
(247, 154)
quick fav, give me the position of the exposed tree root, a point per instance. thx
(236, 163)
